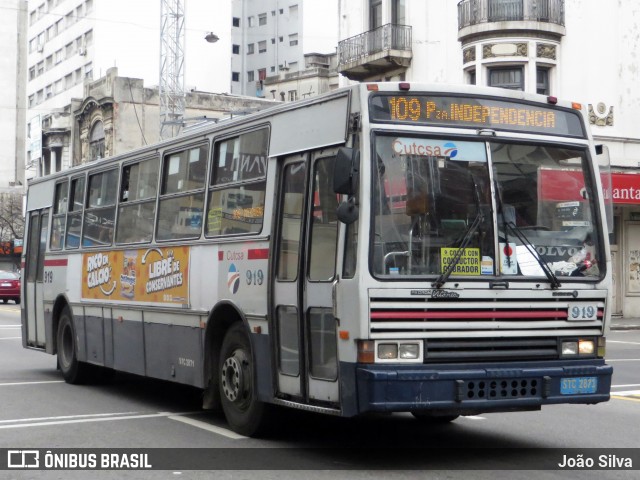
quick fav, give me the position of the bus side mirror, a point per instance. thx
(345, 181)
(345, 171)
(348, 212)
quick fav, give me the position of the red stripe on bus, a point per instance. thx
(400, 315)
(62, 262)
(220, 255)
(258, 254)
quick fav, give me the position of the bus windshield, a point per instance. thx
(482, 209)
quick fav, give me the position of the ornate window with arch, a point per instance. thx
(96, 141)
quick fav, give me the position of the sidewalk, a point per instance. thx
(620, 323)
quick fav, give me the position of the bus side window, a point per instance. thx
(136, 212)
(238, 184)
(99, 215)
(59, 215)
(74, 217)
(182, 194)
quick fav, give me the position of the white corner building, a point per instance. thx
(581, 51)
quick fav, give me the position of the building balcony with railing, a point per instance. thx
(383, 51)
(477, 18)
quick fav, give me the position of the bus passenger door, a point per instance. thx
(34, 272)
(306, 238)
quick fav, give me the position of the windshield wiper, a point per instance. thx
(465, 240)
(506, 226)
(555, 283)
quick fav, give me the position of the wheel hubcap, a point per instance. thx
(67, 345)
(232, 378)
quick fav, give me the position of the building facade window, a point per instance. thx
(398, 9)
(375, 14)
(507, 77)
(262, 19)
(235, 76)
(250, 48)
(542, 81)
(96, 141)
(471, 77)
(251, 76)
(293, 40)
(235, 22)
(235, 49)
(262, 46)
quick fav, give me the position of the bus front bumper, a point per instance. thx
(471, 389)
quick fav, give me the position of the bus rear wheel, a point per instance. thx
(73, 371)
(245, 414)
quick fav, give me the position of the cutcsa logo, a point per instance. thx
(233, 279)
(450, 150)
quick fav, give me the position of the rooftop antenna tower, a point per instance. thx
(171, 89)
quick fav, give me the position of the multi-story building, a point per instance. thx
(269, 41)
(70, 41)
(12, 92)
(582, 51)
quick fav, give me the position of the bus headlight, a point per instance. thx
(399, 351)
(582, 347)
(387, 351)
(586, 347)
(409, 351)
(569, 348)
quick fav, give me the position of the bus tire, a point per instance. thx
(433, 419)
(73, 371)
(245, 414)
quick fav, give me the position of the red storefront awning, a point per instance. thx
(625, 187)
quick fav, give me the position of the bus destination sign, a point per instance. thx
(474, 112)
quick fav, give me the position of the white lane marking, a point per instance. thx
(620, 341)
(11, 338)
(626, 393)
(67, 417)
(100, 419)
(626, 386)
(609, 360)
(474, 417)
(206, 426)
(13, 384)
(10, 326)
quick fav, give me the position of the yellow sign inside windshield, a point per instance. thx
(468, 264)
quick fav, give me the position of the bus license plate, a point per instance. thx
(578, 385)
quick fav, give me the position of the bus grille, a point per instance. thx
(479, 328)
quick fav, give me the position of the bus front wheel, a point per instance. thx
(73, 371)
(245, 414)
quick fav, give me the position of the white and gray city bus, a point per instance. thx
(387, 247)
